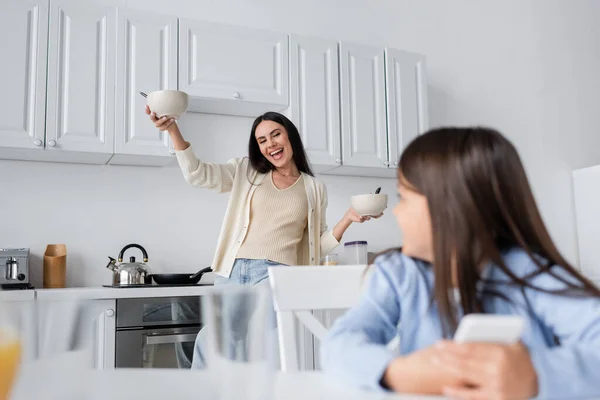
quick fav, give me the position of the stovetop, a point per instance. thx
(16, 286)
(156, 286)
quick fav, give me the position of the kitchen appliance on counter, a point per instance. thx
(171, 280)
(14, 269)
(137, 274)
(132, 273)
(157, 332)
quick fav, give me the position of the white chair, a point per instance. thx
(299, 290)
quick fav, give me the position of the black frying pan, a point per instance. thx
(179, 279)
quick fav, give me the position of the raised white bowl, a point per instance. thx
(369, 204)
(168, 103)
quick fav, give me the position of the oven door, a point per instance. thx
(156, 347)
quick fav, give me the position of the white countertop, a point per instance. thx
(17, 295)
(157, 384)
(97, 293)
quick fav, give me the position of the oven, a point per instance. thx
(157, 332)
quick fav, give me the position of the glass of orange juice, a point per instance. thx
(10, 348)
(10, 357)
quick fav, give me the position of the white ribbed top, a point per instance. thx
(278, 218)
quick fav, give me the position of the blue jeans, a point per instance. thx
(245, 272)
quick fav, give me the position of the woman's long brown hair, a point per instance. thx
(480, 204)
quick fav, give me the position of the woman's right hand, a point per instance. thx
(161, 123)
(169, 125)
(418, 372)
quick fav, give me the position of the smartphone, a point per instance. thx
(490, 328)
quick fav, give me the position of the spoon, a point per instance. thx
(378, 190)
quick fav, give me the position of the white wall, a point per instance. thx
(528, 68)
(586, 184)
(96, 210)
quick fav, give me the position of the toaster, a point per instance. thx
(14, 269)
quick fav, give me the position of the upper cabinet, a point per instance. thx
(406, 95)
(23, 40)
(383, 108)
(81, 79)
(364, 126)
(71, 90)
(147, 61)
(315, 99)
(232, 70)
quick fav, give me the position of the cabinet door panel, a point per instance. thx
(23, 38)
(81, 77)
(364, 129)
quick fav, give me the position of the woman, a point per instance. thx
(474, 242)
(276, 210)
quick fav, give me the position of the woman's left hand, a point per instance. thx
(349, 217)
(489, 371)
(352, 216)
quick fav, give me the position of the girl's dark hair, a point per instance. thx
(260, 163)
(480, 204)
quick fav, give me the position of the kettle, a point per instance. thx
(131, 273)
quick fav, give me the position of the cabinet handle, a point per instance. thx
(236, 95)
(52, 143)
(37, 142)
(396, 163)
(171, 151)
(170, 339)
(110, 312)
(338, 160)
(100, 345)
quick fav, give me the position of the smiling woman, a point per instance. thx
(275, 144)
(276, 213)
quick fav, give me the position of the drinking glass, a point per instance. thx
(239, 347)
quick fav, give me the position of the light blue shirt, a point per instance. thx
(397, 301)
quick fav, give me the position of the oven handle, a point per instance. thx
(170, 339)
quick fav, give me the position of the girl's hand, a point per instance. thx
(490, 371)
(418, 372)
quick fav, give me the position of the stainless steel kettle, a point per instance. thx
(131, 273)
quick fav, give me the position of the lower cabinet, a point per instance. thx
(99, 317)
(103, 318)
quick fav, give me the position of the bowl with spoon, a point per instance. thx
(167, 103)
(370, 204)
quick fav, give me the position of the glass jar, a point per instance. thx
(355, 253)
(330, 259)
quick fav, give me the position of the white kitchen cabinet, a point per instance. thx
(23, 42)
(102, 317)
(315, 99)
(81, 80)
(384, 107)
(18, 306)
(67, 324)
(406, 95)
(364, 126)
(233, 70)
(146, 61)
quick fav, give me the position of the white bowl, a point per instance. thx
(369, 204)
(169, 103)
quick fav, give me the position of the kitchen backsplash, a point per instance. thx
(96, 210)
